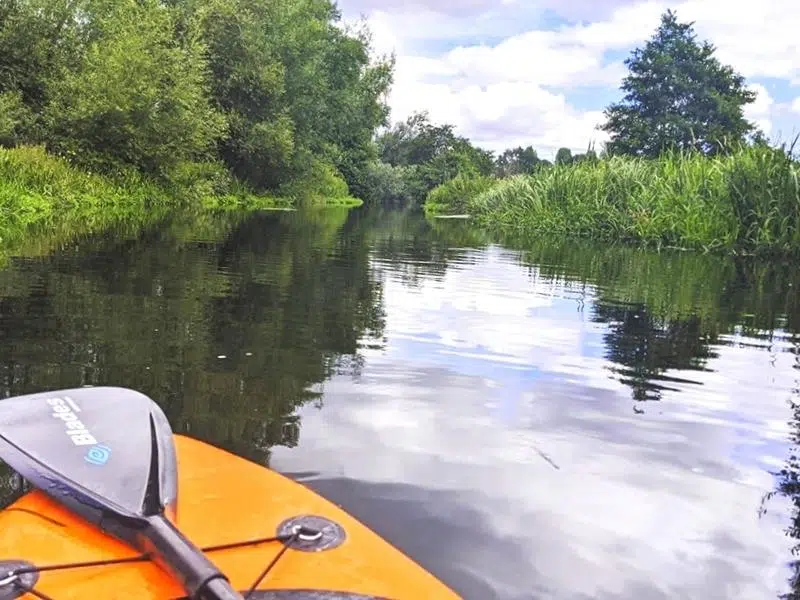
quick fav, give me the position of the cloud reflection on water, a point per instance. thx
(486, 366)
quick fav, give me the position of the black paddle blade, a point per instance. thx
(105, 452)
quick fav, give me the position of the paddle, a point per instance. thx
(107, 454)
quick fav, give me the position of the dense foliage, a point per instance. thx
(518, 161)
(453, 195)
(274, 90)
(416, 155)
(216, 97)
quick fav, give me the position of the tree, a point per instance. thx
(278, 91)
(564, 156)
(429, 155)
(138, 96)
(299, 90)
(516, 161)
(589, 156)
(677, 96)
(415, 141)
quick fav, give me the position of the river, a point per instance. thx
(526, 419)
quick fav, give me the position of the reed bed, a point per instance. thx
(453, 195)
(746, 201)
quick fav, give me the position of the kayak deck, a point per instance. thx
(222, 499)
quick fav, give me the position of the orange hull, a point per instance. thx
(222, 499)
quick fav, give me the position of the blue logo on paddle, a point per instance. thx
(98, 455)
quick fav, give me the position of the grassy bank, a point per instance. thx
(44, 194)
(452, 196)
(748, 201)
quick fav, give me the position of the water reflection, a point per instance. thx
(511, 413)
(788, 483)
(508, 354)
(225, 321)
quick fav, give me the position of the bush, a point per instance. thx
(37, 188)
(393, 185)
(199, 180)
(321, 183)
(14, 117)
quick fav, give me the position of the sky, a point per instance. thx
(540, 72)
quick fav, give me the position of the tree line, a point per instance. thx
(276, 92)
(416, 155)
(271, 91)
(677, 97)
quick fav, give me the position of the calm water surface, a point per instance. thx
(538, 420)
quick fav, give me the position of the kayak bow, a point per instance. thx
(269, 537)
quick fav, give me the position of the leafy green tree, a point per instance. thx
(14, 117)
(589, 156)
(516, 161)
(298, 89)
(564, 156)
(137, 96)
(358, 107)
(37, 39)
(277, 90)
(248, 85)
(415, 141)
(677, 96)
(460, 158)
(434, 153)
(392, 186)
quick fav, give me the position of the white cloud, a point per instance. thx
(796, 105)
(627, 26)
(498, 96)
(542, 57)
(759, 39)
(759, 112)
(444, 7)
(495, 115)
(423, 31)
(574, 10)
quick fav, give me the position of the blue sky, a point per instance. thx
(540, 72)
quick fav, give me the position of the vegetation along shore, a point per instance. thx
(683, 167)
(115, 109)
(111, 107)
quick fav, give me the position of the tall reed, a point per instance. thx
(746, 201)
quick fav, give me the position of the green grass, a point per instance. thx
(39, 191)
(45, 201)
(746, 202)
(344, 201)
(452, 196)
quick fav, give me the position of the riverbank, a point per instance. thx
(745, 202)
(44, 193)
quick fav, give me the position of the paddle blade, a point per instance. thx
(105, 452)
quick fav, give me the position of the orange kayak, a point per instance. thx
(224, 500)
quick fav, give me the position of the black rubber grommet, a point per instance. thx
(312, 533)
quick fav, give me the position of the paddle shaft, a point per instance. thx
(200, 578)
